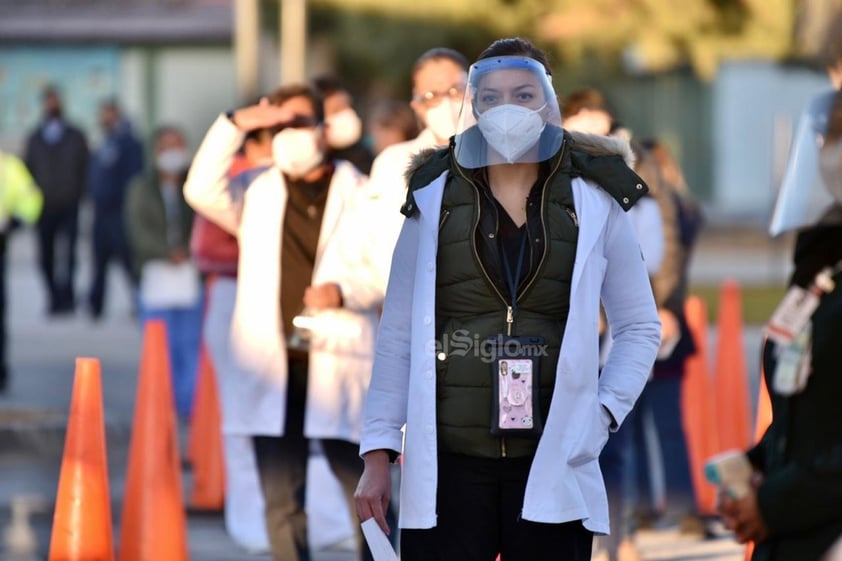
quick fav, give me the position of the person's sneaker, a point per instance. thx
(692, 525)
(628, 551)
(600, 555)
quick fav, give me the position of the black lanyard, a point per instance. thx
(514, 280)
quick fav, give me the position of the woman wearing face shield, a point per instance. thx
(793, 510)
(488, 344)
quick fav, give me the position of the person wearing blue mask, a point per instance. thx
(486, 372)
(57, 157)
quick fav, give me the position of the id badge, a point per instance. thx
(794, 364)
(792, 315)
(515, 379)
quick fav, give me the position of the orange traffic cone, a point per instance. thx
(764, 410)
(206, 441)
(82, 519)
(731, 375)
(697, 406)
(153, 521)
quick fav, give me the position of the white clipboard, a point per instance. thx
(167, 285)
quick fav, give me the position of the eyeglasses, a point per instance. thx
(432, 99)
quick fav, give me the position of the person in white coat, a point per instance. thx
(215, 253)
(487, 355)
(285, 217)
(438, 84)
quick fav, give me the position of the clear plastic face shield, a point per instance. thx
(510, 114)
(811, 191)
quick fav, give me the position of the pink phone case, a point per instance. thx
(514, 379)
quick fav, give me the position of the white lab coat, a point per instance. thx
(341, 359)
(565, 482)
(381, 224)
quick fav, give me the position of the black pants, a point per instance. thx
(109, 242)
(479, 503)
(282, 466)
(57, 232)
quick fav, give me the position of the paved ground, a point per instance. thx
(33, 412)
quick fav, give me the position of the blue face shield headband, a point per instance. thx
(521, 121)
(483, 67)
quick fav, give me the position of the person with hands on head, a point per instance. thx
(513, 234)
(286, 217)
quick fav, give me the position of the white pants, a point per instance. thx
(243, 498)
(326, 507)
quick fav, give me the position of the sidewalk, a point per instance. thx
(33, 413)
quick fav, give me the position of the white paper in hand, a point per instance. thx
(378, 542)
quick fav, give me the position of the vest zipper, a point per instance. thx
(445, 213)
(509, 310)
(573, 216)
(474, 242)
(535, 271)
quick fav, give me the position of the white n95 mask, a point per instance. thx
(443, 118)
(344, 128)
(511, 129)
(296, 151)
(172, 161)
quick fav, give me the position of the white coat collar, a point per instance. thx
(590, 203)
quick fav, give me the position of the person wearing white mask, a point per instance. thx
(439, 77)
(513, 236)
(343, 126)
(159, 222)
(306, 383)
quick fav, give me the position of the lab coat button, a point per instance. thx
(427, 320)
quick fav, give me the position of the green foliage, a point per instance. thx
(376, 41)
(382, 37)
(758, 301)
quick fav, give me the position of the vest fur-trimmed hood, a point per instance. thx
(605, 160)
(591, 144)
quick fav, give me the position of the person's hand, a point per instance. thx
(374, 489)
(262, 115)
(323, 297)
(669, 325)
(178, 256)
(742, 516)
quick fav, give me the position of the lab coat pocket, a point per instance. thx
(592, 438)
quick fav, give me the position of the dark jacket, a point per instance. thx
(60, 170)
(113, 165)
(146, 221)
(800, 454)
